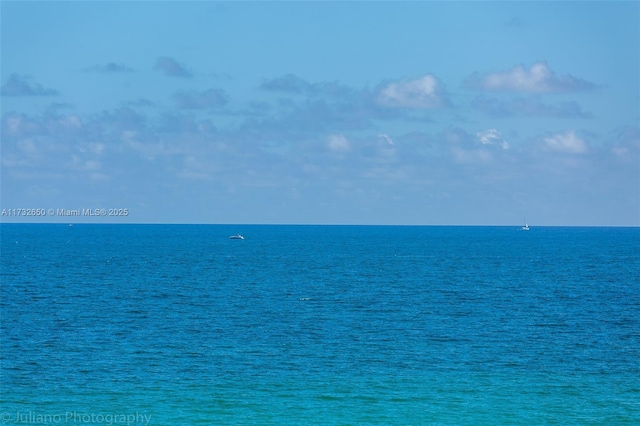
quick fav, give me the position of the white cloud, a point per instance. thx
(13, 122)
(537, 79)
(97, 148)
(338, 143)
(422, 93)
(566, 142)
(470, 156)
(19, 125)
(386, 138)
(85, 165)
(70, 121)
(626, 146)
(492, 137)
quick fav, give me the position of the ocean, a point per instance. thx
(319, 325)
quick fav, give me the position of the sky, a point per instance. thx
(393, 113)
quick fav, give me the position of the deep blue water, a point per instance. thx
(319, 325)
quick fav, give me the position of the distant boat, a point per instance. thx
(525, 227)
(237, 237)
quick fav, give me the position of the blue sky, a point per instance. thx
(434, 113)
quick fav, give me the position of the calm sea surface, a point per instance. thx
(327, 325)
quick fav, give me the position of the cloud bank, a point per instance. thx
(292, 84)
(111, 68)
(567, 142)
(19, 85)
(172, 68)
(539, 78)
(422, 93)
(531, 106)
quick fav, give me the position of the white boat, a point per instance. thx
(525, 227)
(237, 237)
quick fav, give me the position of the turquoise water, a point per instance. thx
(178, 324)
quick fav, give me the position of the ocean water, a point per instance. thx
(326, 325)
